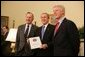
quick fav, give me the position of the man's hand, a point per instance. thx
(43, 46)
(28, 41)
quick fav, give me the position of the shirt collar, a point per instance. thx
(29, 25)
(61, 19)
(45, 25)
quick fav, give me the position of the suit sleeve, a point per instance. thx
(17, 42)
(74, 37)
(36, 30)
(50, 44)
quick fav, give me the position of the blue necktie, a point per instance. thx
(42, 32)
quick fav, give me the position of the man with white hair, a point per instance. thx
(25, 31)
(66, 35)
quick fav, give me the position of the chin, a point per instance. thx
(57, 17)
(28, 23)
(44, 23)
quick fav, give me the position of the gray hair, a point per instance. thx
(30, 13)
(60, 6)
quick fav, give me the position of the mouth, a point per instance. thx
(27, 20)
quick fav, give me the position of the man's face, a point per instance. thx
(58, 12)
(4, 29)
(29, 18)
(44, 19)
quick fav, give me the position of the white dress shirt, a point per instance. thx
(60, 21)
(30, 25)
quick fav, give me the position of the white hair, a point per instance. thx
(60, 6)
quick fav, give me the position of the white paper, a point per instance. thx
(12, 35)
(35, 42)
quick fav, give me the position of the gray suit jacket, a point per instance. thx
(20, 39)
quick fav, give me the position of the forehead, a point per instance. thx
(44, 15)
(57, 8)
(29, 14)
(4, 28)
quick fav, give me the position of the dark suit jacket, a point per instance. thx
(47, 39)
(6, 50)
(66, 40)
(21, 40)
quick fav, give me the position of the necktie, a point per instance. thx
(56, 28)
(42, 32)
(26, 32)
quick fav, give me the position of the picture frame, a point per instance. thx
(4, 20)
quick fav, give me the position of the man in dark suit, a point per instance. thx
(45, 32)
(66, 35)
(25, 31)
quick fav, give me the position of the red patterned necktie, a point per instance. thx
(56, 27)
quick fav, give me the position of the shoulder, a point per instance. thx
(67, 21)
(20, 26)
(50, 25)
(34, 26)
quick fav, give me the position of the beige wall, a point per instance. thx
(16, 10)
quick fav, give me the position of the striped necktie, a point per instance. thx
(56, 27)
(26, 32)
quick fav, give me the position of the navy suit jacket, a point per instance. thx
(66, 40)
(47, 39)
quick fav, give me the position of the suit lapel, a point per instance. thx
(23, 29)
(31, 33)
(40, 33)
(60, 27)
(22, 32)
(47, 30)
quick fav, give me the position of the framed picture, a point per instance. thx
(4, 20)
